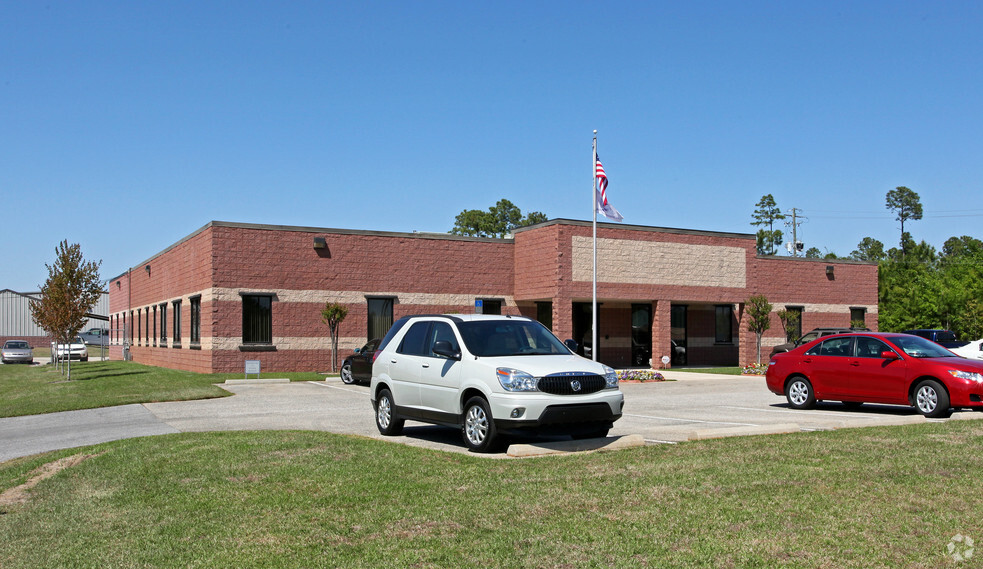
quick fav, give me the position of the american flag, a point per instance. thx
(602, 180)
(601, 195)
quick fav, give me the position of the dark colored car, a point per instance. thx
(945, 338)
(872, 367)
(358, 366)
(810, 336)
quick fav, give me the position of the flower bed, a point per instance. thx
(754, 369)
(639, 375)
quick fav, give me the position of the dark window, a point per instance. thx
(152, 329)
(858, 317)
(870, 347)
(195, 320)
(794, 330)
(544, 313)
(163, 325)
(415, 342)
(489, 306)
(139, 334)
(724, 332)
(380, 316)
(257, 319)
(837, 347)
(177, 324)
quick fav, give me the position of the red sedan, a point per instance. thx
(873, 367)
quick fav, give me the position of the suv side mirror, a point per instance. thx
(572, 344)
(358, 351)
(444, 348)
(889, 355)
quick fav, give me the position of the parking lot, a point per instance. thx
(693, 406)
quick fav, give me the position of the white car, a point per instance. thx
(76, 350)
(489, 375)
(972, 350)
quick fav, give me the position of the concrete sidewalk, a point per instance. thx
(693, 406)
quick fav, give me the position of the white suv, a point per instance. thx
(489, 375)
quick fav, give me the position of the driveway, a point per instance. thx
(691, 407)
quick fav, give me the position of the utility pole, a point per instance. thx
(795, 246)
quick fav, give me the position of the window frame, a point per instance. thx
(257, 320)
(195, 314)
(176, 340)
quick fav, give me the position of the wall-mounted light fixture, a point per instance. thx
(829, 272)
(147, 268)
(320, 243)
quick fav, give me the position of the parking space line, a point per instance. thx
(690, 420)
(336, 387)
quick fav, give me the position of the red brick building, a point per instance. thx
(231, 292)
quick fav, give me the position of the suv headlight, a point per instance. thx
(516, 380)
(972, 376)
(610, 378)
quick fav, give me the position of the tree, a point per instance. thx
(69, 294)
(767, 213)
(333, 314)
(758, 318)
(957, 247)
(813, 253)
(790, 322)
(498, 221)
(869, 249)
(906, 205)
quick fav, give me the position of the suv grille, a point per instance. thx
(571, 383)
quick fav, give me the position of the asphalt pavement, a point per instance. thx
(693, 406)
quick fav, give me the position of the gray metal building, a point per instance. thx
(16, 320)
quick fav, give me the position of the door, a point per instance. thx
(641, 334)
(677, 320)
(582, 321)
(829, 368)
(877, 379)
(440, 376)
(406, 364)
(362, 361)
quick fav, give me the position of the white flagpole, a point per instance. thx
(593, 304)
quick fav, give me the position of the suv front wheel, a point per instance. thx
(478, 429)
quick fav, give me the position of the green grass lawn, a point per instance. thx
(877, 497)
(30, 390)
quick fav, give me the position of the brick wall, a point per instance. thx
(426, 273)
(433, 273)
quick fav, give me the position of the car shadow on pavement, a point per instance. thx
(866, 408)
(438, 436)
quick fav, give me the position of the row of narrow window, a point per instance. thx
(144, 324)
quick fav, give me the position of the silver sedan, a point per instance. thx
(17, 351)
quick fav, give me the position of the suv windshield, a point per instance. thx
(490, 338)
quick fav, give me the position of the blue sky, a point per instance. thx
(125, 126)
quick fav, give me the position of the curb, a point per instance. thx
(565, 447)
(776, 429)
(255, 381)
